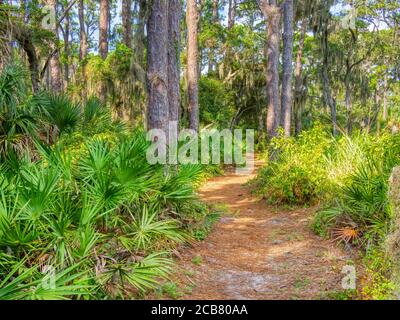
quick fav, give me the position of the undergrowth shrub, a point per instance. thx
(82, 213)
(295, 172)
(104, 219)
(376, 283)
(360, 201)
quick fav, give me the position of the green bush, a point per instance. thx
(216, 102)
(296, 172)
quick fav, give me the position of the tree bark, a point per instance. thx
(157, 62)
(272, 14)
(103, 42)
(211, 54)
(24, 38)
(328, 97)
(228, 50)
(174, 45)
(140, 34)
(326, 83)
(287, 93)
(192, 16)
(55, 67)
(349, 105)
(66, 49)
(127, 22)
(83, 44)
(231, 14)
(215, 15)
(298, 103)
(385, 97)
(103, 28)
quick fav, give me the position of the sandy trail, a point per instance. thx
(257, 252)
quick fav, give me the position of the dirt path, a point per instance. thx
(256, 252)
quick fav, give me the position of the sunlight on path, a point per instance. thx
(257, 253)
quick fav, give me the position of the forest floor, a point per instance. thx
(258, 252)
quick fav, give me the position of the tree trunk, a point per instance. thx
(103, 42)
(378, 106)
(103, 28)
(287, 94)
(157, 64)
(140, 34)
(392, 241)
(127, 22)
(55, 68)
(385, 97)
(66, 49)
(272, 14)
(174, 92)
(328, 98)
(231, 14)
(326, 84)
(174, 45)
(298, 104)
(192, 64)
(215, 15)
(24, 38)
(83, 44)
(349, 105)
(228, 50)
(211, 54)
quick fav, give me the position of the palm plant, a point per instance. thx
(143, 274)
(17, 125)
(31, 284)
(360, 210)
(62, 113)
(98, 215)
(146, 231)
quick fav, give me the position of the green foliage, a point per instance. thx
(340, 295)
(296, 173)
(197, 260)
(118, 63)
(216, 102)
(377, 284)
(63, 113)
(349, 175)
(107, 211)
(82, 201)
(171, 290)
(17, 123)
(361, 198)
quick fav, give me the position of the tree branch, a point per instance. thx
(64, 14)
